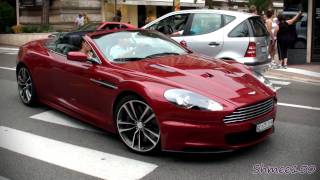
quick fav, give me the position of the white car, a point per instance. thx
(219, 33)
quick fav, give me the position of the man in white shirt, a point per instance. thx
(79, 22)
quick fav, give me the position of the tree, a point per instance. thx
(7, 16)
(261, 5)
(45, 12)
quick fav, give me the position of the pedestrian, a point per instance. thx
(284, 37)
(117, 17)
(85, 19)
(270, 27)
(253, 10)
(79, 22)
(150, 17)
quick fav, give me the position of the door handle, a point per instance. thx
(214, 44)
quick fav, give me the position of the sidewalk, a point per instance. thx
(8, 47)
(303, 72)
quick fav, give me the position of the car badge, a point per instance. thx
(252, 93)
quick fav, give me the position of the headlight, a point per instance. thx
(264, 80)
(190, 100)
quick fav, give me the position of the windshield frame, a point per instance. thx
(95, 36)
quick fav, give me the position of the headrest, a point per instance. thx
(75, 40)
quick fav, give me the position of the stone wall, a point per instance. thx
(22, 38)
(62, 13)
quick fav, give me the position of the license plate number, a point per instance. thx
(264, 49)
(264, 125)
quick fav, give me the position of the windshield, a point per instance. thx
(136, 45)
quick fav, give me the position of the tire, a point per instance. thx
(137, 125)
(300, 45)
(26, 87)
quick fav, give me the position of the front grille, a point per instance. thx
(250, 112)
(246, 136)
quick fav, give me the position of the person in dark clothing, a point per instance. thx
(284, 37)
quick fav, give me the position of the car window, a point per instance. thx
(241, 30)
(228, 19)
(204, 23)
(153, 26)
(173, 25)
(258, 27)
(89, 27)
(111, 27)
(123, 26)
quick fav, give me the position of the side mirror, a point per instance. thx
(77, 56)
(183, 43)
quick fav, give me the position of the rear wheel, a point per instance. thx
(300, 44)
(137, 125)
(25, 86)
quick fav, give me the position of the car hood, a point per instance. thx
(212, 78)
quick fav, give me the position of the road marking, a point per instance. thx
(284, 83)
(274, 77)
(8, 51)
(277, 88)
(7, 68)
(3, 178)
(62, 119)
(88, 161)
(299, 106)
(301, 71)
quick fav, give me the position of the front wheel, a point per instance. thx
(137, 125)
(25, 86)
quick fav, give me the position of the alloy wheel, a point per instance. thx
(25, 85)
(137, 126)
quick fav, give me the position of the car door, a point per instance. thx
(204, 34)
(77, 86)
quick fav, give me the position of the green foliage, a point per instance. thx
(7, 16)
(36, 28)
(45, 28)
(29, 29)
(262, 5)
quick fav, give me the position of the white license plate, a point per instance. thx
(264, 49)
(264, 125)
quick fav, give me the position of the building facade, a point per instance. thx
(62, 13)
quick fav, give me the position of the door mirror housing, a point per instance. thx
(77, 56)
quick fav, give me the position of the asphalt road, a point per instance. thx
(295, 143)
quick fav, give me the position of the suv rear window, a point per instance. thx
(258, 27)
(241, 30)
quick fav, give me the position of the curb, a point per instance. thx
(7, 48)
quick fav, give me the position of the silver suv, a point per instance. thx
(218, 33)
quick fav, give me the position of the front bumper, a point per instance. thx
(217, 136)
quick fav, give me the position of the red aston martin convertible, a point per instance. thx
(148, 89)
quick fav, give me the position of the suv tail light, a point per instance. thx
(251, 50)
